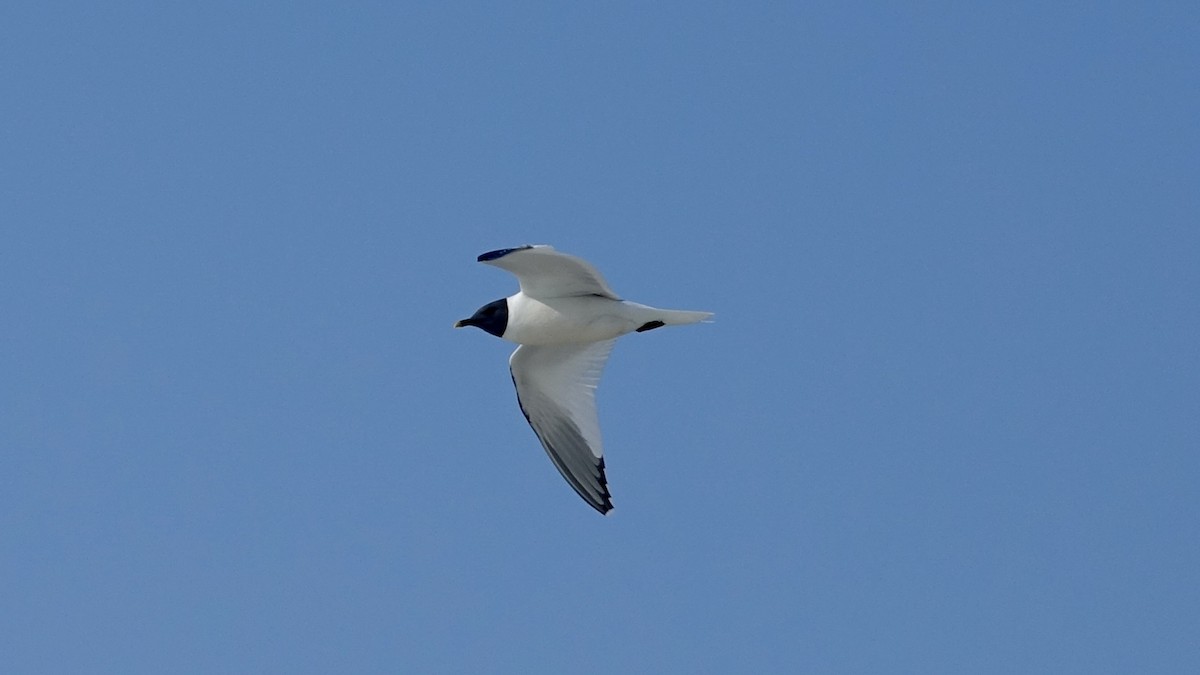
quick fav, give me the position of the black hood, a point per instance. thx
(492, 317)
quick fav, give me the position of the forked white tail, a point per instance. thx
(678, 317)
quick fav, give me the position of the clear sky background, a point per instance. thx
(947, 419)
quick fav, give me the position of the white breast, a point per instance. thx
(556, 321)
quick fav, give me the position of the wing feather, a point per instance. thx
(556, 389)
(546, 273)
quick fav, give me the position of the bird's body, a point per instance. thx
(580, 319)
(566, 320)
(557, 321)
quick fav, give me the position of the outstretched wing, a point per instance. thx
(556, 389)
(546, 273)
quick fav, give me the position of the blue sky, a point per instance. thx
(947, 418)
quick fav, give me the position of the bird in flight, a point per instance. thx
(565, 320)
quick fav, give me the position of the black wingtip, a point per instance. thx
(604, 507)
(500, 253)
(605, 504)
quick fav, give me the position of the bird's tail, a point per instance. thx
(677, 317)
(655, 317)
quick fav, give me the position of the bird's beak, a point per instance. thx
(462, 324)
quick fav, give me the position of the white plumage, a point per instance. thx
(566, 320)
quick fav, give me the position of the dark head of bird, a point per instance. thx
(492, 317)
